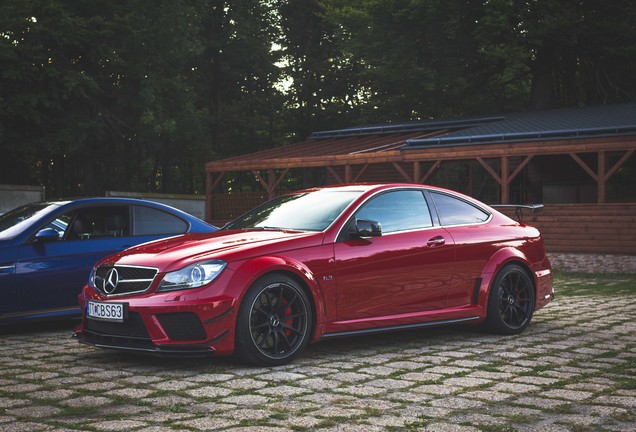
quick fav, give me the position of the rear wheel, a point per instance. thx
(273, 323)
(511, 301)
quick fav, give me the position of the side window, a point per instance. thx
(97, 222)
(150, 221)
(398, 211)
(454, 211)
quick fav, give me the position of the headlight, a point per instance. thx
(193, 276)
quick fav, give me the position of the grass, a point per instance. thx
(598, 284)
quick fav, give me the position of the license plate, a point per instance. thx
(107, 311)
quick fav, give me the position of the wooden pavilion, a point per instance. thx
(579, 162)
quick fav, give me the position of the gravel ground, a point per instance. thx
(573, 369)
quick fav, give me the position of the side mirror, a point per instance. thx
(47, 235)
(367, 228)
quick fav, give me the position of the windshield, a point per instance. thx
(12, 223)
(311, 211)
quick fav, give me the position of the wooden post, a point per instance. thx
(505, 183)
(601, 178)
(209, 186)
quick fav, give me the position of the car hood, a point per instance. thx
(176, 252)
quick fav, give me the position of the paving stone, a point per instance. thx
(211, 391)
(13, 402)
(361, 390)
(23, 427)
(117, 425)
(207, 423)
(447, 370)
(571, 395)
(456, 403)
(248, 400)
(283, 390)
(448, 427)
(466, 381)
(34, 412)
(86, 401)
(390, 383)
(557, 376)
(487, 395)
(173, 385)
(305, 422)
(57, 394)
(435, 389)
(514, 388)
(132, 393)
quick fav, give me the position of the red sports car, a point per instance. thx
(316, 264)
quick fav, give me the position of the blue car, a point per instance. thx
(48, 249)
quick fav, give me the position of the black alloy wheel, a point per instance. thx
(511, 301)
(274, 322)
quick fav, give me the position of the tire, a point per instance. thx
(511, 301)
(274, 322)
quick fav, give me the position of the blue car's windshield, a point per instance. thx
(311, 211)
(12, 223)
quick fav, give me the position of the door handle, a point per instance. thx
(436, 241)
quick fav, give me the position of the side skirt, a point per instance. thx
(398, 327)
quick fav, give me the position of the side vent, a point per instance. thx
(476, 290)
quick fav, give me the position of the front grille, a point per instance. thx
(132, 327)
(119, 280)
(182, 326)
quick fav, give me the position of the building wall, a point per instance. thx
(12, 196)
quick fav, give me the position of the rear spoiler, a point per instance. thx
(519, 209)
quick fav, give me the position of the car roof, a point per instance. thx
(126, 201)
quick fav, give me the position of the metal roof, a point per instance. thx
(595, 121)
(395, 138)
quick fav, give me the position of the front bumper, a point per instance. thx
(141, 346)
(170, 325)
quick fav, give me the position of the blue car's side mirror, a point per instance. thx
(47, 235)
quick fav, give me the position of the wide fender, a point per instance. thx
(247, 272)
(499, 259)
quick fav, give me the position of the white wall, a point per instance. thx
(12, 196)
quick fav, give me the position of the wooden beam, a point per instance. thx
(402, 172)
(347, 173)
(489, 169)
(583, 165)
(262, 181)
(427, 154)
(335, 174)
(280, 178)
(429, 173)
(362, 170)
(619, 164)
(520, 167)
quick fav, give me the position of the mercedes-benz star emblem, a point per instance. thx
(110, 281)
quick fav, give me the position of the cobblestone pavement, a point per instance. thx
(574, 369)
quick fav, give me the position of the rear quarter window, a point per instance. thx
(455, 211)
(150, 221)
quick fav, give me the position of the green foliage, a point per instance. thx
(138, 95)
(130, 95)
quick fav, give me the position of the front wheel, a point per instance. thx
(511, 301)
(273, 323)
